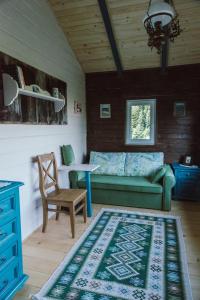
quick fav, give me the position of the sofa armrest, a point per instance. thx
(169, 182)
(74, 177)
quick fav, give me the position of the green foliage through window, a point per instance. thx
(140, 122)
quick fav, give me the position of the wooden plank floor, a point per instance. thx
(43, 252)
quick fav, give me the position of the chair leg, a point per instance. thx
(57, 214)
(85, 210)
(72, 219)
(45, 217)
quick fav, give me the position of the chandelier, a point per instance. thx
(161, 23)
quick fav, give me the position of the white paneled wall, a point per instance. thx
(30, 33)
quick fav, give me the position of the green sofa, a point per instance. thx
(126, 179)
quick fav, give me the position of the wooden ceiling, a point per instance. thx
(83, 25)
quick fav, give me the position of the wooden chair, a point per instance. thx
(73, 199)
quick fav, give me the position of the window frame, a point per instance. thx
(128, 139)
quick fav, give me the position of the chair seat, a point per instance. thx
(66, 195)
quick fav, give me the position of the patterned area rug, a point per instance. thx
(124, 255)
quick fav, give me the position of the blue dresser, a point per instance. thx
(187, 182)
(12, 277)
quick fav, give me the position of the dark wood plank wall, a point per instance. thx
(27, 109)
(175, 136)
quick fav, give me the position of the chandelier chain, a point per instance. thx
(149, 7)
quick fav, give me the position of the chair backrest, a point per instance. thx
(48, 179)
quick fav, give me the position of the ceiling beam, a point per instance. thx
(110, 34)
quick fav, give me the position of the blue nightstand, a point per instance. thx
(187, 182)
(12, 277)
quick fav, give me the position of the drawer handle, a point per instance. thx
(5, 283)
(1, 210)
(3, 234)
(2, 260)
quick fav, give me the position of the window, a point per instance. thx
(140, 122)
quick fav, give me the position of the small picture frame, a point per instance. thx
(105, 111)
(179, 109)
(188, 160)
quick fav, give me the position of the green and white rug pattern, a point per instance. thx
(124, 255)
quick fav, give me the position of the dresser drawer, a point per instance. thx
(8, 278)
(12, 277)
(8, 233)
(188, 175)
(7, 256)
(187, 190)
(7, 207)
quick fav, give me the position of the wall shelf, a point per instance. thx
(12, 90)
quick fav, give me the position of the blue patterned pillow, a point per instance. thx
(110, 163)
(143, 164)
(159, 174)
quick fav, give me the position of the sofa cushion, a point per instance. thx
(110, 163)
(123, 183)
(143, 164)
